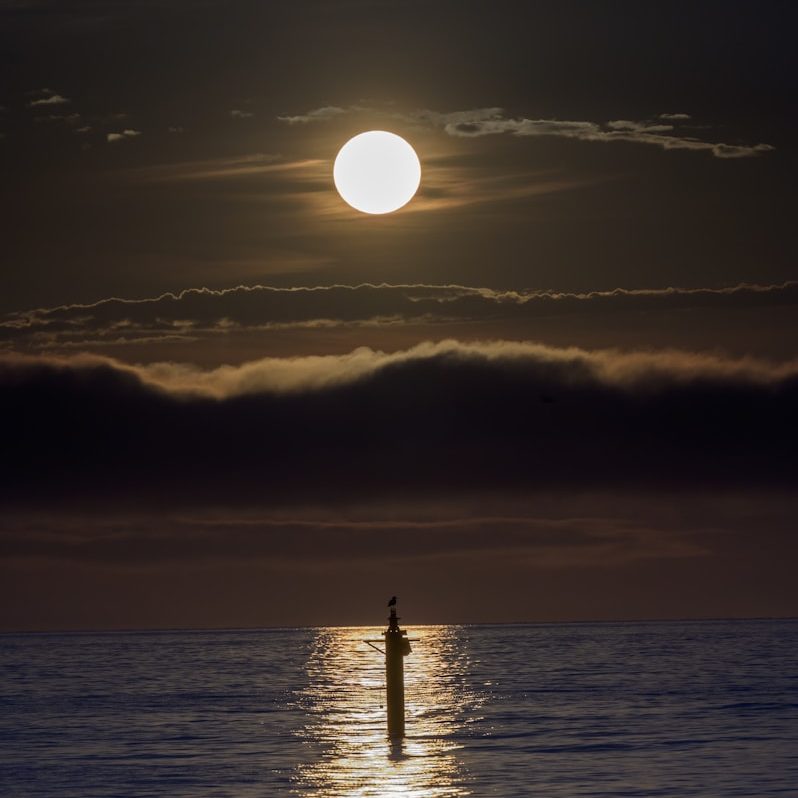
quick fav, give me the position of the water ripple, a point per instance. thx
(705, 710)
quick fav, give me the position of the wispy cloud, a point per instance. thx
(638, 127)
(544, 542)
(237, 113)
(316, 115)
(492, 121)
(198, 312)
(660, 132)
(50, 99)
(127, 133)
(305, 183)
(68, 119)
(220, 168)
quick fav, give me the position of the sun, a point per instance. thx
(377, 172)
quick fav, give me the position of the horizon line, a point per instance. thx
(310, 627)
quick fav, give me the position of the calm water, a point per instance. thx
(667, 709)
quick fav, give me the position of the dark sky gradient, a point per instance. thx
(559, 384)
(84, 224)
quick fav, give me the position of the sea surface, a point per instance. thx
(625, 709)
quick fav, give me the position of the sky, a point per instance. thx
(558, 385)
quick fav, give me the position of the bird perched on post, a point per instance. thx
(392, 602)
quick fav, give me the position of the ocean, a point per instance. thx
(671, 709)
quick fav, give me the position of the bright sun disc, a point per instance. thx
(377, 172)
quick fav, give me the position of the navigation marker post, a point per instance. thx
(397, 647)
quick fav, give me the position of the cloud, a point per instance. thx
(492, 121)
(238, 114)
(296, 541)
(69, 119)
(577, 557)
(303, 186)
(220, 168)
(305, 183)
(638, 127)
(436, 420)
(126, 134)
(738, 151)
(51, 99)
(316, 115)
(198, 312)
(630, 370)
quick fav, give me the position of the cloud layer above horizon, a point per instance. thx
(446, 419)
(202, 311)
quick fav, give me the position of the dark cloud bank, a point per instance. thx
(439, 420)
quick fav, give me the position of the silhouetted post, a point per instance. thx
(397, 647)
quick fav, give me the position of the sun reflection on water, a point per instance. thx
(346, 724)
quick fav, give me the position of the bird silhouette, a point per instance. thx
(392, 602)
